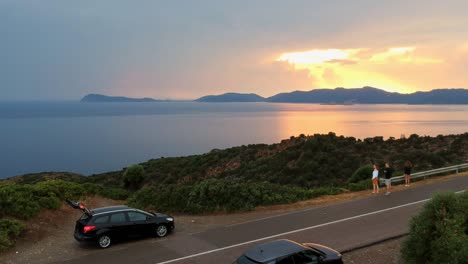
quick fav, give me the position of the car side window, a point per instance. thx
(101, 219)
(306, 257)
(135, 216)
(118, 218)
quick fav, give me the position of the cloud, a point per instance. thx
(401, 53)
(176, 49)
(265, 79)
(343, 62)
(330, 76)
(317, 56)
(392, 68)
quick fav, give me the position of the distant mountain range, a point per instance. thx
(364, 95)
(231, 97)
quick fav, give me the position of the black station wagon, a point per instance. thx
(107, 224)
(289, 252)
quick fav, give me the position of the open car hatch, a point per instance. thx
(78, 205)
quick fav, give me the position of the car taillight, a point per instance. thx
(88, 228)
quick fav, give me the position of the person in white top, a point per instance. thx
(375, 179)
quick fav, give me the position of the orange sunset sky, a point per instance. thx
(187, 49)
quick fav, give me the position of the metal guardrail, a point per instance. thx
(425, 174)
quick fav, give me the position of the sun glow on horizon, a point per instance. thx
(317, 56)
(359, 67)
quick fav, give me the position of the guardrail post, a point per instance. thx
(456, 172)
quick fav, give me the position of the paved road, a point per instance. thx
(341, 226)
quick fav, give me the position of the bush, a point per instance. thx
(25, 201)
(9, 231)
(114, 193)
(134, 176)
(363, 173)
(214, 195)
(359, 186)
(439, 234)
(18, 200)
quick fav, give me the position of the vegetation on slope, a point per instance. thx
(24, 201)
(214, 195)
(304, 161)
(238, 178)
(241, 178)
(10, 229)
(439, 234)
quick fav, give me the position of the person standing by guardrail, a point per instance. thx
(407, 170)
(388, 172)
(375, 179)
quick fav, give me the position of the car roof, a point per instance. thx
(273, 250)
(110, 209)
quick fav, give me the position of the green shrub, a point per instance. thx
(61, 189)
(9, 231)
(170, 198)
(51, 202)
(363, 173)
(134, 176)
(439, 234)
(25, 201)
(214, 195)
(361, 185)
(18, 200)
(114, 193)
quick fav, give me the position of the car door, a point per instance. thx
(139, 225)
(119, 224)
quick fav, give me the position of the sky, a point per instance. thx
(63, 49)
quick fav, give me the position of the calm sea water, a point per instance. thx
(97, 137)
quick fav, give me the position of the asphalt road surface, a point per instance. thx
(341, 226)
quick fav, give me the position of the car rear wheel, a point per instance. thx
(104, 241)
(161, 230)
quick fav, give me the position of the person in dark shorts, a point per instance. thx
(407, 170)
(388, 172)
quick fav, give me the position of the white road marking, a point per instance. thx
(296, 231)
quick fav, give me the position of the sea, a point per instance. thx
(89, 138)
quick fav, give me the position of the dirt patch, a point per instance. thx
(50, 234)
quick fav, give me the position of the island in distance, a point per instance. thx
(232, 97)
(99, 98)
(364, 95)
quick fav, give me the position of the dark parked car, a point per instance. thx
(289, 252)
(106, 224)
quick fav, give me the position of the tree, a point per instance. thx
(134, 176)
(439, 234)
